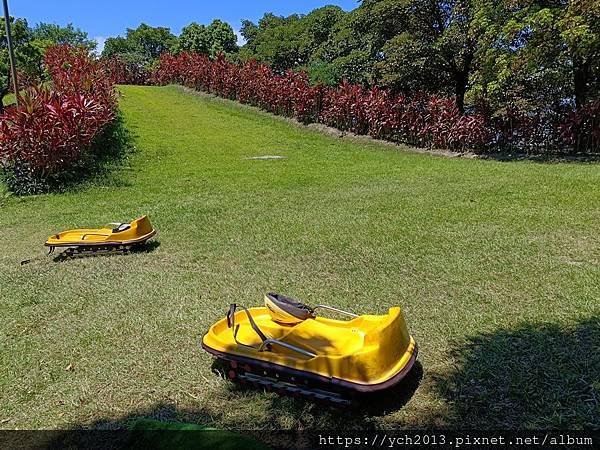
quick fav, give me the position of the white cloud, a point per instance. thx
(240, 39)
(100, 40)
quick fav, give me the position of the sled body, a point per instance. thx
(364, 354)
(122, 234)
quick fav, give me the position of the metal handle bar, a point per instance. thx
(266, 341)
(286, 345)
(331, 308)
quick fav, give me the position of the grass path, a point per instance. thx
(496, 266)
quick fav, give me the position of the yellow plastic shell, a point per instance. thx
(367, 350)
(140, 230)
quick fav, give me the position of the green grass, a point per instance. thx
(495, 264)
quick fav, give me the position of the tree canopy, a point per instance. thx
(289, 42)
(528, 53)
(27, 55)
(141, 45)
(218, 37)
(47, 34)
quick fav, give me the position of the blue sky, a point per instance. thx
(102, 19)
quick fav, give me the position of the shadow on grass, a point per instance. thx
(107, 154)
(175, 420)
(166, 416)
(140, 434)
(98, 165)
(543, 158)
(148, 247)
(537, 376)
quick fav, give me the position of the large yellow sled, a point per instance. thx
(116, 236)
(287, 347)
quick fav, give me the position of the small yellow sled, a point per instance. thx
(285, 346)
(119, 236)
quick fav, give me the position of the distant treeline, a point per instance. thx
(534, 54)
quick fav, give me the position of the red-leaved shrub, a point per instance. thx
(73, 71)
(121, 72)
(581, 129)
(419, 120)
(51, 129)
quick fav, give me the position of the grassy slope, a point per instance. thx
(504, 254)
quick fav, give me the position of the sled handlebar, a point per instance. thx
(267, 342)
(286, 345)
(331, 308)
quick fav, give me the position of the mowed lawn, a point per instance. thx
(495, 264)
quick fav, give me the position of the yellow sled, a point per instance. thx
(117, 235)
(285, 346)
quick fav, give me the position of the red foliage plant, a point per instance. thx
(420, 120)
(121, 72)
(73, 71)
(50, 130)
(581, 129)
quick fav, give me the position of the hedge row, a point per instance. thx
(421, 120)
(122, 72)
(52, 129)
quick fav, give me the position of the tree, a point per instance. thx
(115, 46)
(539, 54)
(291, 42)
(316, 28)
(275, 41)
(193, 38)
(410, 65)
(27, 56)
(151, 41)
(48, 34)
(249, 31)
(433, 48)
(142, 45)
(218, 37)
(580, 30)
(346, 55)
(221, 38)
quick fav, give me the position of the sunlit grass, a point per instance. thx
(471, 250)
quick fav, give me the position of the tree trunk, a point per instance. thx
(460, 88)
(461, 80)
(580, 81)
(2, 95)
